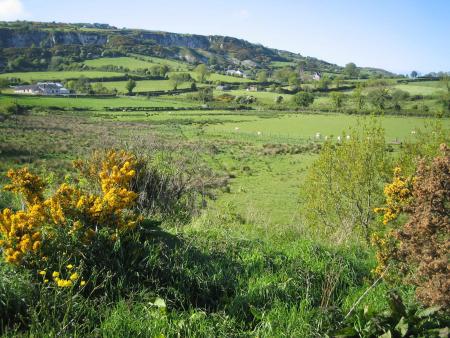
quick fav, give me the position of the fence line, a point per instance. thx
(263, 137)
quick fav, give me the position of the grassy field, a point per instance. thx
(422, 88)
(93, 103)
(173, 64)
(145, 85)
(262, 96)
(126, 62)
(306, 126)
(49, 76)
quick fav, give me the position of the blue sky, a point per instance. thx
(397, 35)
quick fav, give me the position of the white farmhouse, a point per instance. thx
(234, 72)
(42, 88)
(316, 76)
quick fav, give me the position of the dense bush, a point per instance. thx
(346, 182)
(419, 248)
(303, 99)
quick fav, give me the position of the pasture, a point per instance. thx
(125, 62)
(144, 85)
(32, 77)
(92, 103)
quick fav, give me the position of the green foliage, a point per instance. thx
(346, 182)
(338, 99)
(358, 98)
(262, 76)
(202, 72)
(303, 99)
(81, 86)
(351, 70)
(379, 97)
(130, 85)
(399, 321)
(179, 78)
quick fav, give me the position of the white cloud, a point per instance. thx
(12, 10)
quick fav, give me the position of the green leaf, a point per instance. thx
(387, 334)
(256, 313)
(396, 304)
(428, 311)
(402, 327)
(159, 302)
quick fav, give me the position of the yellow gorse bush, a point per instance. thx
(70, 206)
(398, 195)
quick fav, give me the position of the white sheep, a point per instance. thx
(237, 128)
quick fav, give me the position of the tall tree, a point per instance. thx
(261, 76)
(131, 84)
(351, 70)
(202, 72)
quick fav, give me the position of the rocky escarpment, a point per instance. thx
(10, 38)
(48, 38)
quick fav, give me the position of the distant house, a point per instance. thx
(42, 88)
(317, 76)
(252, 88)
(234, 72)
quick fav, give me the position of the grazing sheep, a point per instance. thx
(237, 128)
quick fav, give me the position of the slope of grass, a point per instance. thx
(49, 76)
(262, 96)
(145, 85)
(307, 125)
(173, 64)
(126, 62)
(93, 103)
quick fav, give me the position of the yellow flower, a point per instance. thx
(64, 283)
(42, 272)
(70, 267)
(55, 274)
(45, 281)
(74, 276)
(83, 283)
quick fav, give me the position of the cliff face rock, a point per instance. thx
(10, 38)
(178, 40)
(59, 39)
(40, 38)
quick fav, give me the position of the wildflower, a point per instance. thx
(42, 272)
(74, 276)
(45, 281)
(69, 267)
(83, 283)
(55, 274)
(64, 283)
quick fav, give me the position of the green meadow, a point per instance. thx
(50, 76)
